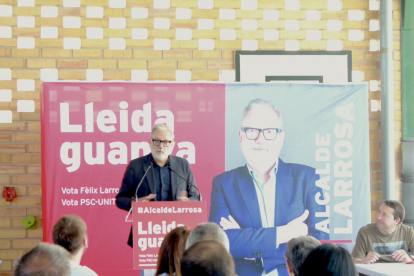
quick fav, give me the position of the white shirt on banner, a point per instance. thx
(266, 195)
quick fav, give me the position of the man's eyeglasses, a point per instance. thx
(165, 143)
(268, 133)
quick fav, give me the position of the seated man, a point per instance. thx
(207, 258)
(70, 233)
(208, 232)
(386, 240)
(43, 260)
(297, 251)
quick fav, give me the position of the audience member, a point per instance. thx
(207, 258)
(43, 260)
(297, 251)
(386, 240)
(208, 231)
(70, 233)
(328, 260)
(171, 252)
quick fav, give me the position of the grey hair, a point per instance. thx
(44, 260)
(260, 102)
(206, 232)
(207, 258)
(298, 249)
(163, 127)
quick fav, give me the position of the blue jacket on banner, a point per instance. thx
(233, 193)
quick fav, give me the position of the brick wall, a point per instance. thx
(140, 40)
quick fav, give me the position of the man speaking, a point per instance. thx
(157, 176)
(267, 202)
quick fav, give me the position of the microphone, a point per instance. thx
(191, 185)
(142, 179)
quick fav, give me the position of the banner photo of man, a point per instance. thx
(297, 163)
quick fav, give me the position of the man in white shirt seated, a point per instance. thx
(70, 233)
(386, 240)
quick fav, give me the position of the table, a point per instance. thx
(386, 269)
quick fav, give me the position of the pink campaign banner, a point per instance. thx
(90, 132)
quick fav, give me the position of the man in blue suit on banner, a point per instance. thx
(267, 202)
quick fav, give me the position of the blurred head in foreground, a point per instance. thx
(208, 231)
(207, 258)
(329, 260)
(44, 260)
(171, 251)
(297, 251)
